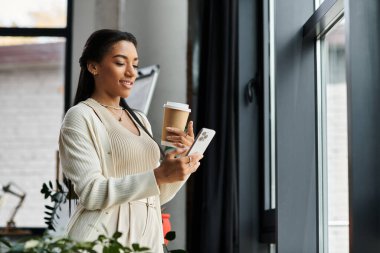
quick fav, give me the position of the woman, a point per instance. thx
(108, 153)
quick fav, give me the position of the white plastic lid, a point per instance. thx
(177, 106)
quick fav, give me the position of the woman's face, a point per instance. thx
(117, 71)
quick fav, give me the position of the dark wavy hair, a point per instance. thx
(97, 45)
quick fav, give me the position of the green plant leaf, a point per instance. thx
(127, 249)
(111, 249)
(56, 197)
(144, 249)
(135, 246)
(115, 248)
(101, 238)
(49, 207)
(59, 186)
(116, 235)
(45, 190)
(170, 236)
(85, 245)
(5, 242)
(17, 248)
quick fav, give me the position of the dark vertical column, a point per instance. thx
(249, 135)
(295, 129)
(363, 77)
(68, 54)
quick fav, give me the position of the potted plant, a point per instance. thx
(49, 244)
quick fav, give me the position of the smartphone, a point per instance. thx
(202, 141)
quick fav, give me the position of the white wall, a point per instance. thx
(161, 31)
(31, 111)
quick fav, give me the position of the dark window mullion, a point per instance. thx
(323, 18)
(35, 32)
(68, 54)
(65, 32)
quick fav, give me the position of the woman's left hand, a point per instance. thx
(180, 138)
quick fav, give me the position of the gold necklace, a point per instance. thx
(115, 108)
(112, 107)
(121, 114)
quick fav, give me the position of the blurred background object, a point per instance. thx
(14, 190)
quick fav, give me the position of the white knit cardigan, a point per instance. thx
(86, 158)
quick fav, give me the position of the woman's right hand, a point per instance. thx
(174, 169)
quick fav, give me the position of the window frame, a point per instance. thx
(268, 138)
(325, 17)
(328, 14)
(362, 90)
(319, 22)
(66, 33)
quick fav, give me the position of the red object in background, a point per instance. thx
(166, 225)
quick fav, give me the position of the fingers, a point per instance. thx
(176, 169)
(182, 146)
(189, 164)
(180, 139)
(190, 129)
(196, 157)
(179, 132)
(176, 138)
(176, 131)
(173, 153)
(192, 159)
(192, 167)
(195, 167)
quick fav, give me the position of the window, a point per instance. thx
(335, 139)
(32, 86)
(270, 110)
(269, 118)
(327, 28)
(36, 13)
(35, 44)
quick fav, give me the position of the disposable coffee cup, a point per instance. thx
(175, 115)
